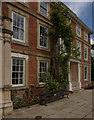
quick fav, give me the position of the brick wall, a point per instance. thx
(32, 51)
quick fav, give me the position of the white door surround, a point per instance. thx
(76, 83)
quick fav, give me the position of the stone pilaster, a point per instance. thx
(79, 76)
(70, 84)
(1, 73)
(5, 63)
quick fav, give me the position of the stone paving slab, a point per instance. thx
(79, 105)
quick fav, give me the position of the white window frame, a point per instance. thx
(25, 58)
(85, 34)
(39, 37)
(84, 52)
(42, 72)
(23, 41)
(78, 26)
(79, 49)
(44, 8)
(87, 73)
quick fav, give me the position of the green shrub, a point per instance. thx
(50, 83)
(92, 82)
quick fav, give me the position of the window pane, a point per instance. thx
(21, 75)
(18, 26)
(85, 35)
(13, 61)
(21, 34)
(21, 68)
(14, 19)
(42, 69)
(14, 22)
(16, 81)
(21, 81)
(18, 21)
(18, 62)
(78, 30)
(21, 62)
(43, 8)
(15, 32)
(13, 75)
(43, 36)
(85, 73)
(17, 71)
(85, 52)
(13, 81)
(22, 22)
(79, 49)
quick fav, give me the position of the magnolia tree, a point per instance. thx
(62, 36)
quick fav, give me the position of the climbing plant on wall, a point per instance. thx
(62, 36)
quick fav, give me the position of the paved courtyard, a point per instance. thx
(79, 105)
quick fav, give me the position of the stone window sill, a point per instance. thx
(45, 49)
(47, 17)
(19, 87)
(19, 43)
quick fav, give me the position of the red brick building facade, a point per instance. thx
(31, 47)
(26, 50)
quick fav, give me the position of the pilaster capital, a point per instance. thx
(7, 25)
(6, 18)
(5, 30)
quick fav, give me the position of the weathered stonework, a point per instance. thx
(5, 71)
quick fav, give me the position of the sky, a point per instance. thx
(84, 11)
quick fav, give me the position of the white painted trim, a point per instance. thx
(79, 76)
(77, 61)
(41, 83)
(19, 55)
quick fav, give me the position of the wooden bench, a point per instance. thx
(52, 96)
